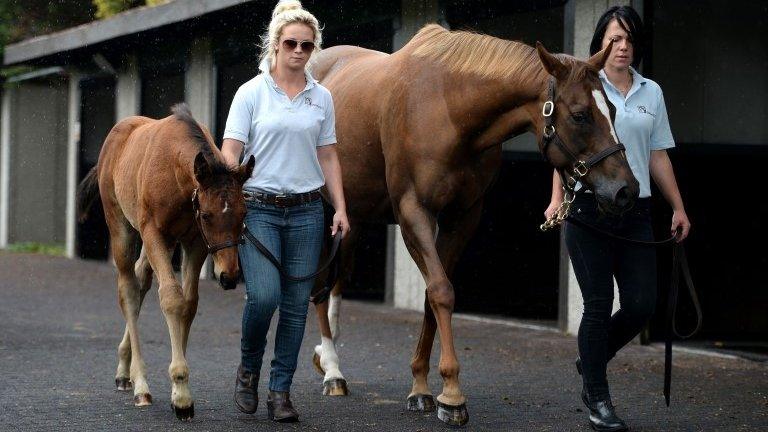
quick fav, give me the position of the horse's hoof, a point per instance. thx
(123, 384)
(335, 387)
(452, 415)
(420, 402)
(142, 399)
(184, 414)
(316, 362)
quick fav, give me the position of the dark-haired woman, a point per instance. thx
(642, 126)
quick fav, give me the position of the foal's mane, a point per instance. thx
(465, 52)
(182, 113)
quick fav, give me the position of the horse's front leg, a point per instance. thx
(419, 227)
(175, 308)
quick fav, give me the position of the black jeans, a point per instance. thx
(597, 259)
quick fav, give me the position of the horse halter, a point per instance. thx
(580, 167)
(198, 220)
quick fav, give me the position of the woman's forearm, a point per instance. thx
(329, 163)
(664, 176)
(231, 150)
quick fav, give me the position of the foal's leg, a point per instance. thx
(419, 227)
(124, 239)
(175, 307)
(193, 259)
(325, 359)
(143, 273)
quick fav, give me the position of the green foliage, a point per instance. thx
(37, 248)
(107, 8)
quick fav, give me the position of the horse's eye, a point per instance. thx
(580, 117)
(206, 216)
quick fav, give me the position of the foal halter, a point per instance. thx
(580, 167)
(198, 219)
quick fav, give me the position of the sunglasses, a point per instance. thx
(306, 46)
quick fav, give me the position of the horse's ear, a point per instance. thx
(552, 65)
(245, 170)
(202, 168)
(598, 60)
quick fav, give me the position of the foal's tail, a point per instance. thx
(87, 193)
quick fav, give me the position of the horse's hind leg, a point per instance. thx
(124, 241)
(175, 307)
(325, 359)
(143, 272)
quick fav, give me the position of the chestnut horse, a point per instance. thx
(164, 182)
(419, 134)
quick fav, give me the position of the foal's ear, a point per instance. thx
(202, 168)
(598, 60)
(244, 171)
(551, 64)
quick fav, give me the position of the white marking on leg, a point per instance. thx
(329, 360)
(603, 107)
(334, 305)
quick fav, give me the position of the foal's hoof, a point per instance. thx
(184, 414)
(316, 362)
(452, 415)
(123, 384)
(335, 387)
(142, 399)
(420, 402)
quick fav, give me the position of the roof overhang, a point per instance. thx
(126, 23)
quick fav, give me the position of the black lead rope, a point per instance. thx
(323, 294)
(679, 266)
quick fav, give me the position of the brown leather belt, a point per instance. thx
(282, 200)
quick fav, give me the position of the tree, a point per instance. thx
(107, 8)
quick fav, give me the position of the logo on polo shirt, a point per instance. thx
(308, 101)
(643, 110)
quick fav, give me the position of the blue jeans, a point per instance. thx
(294, 236)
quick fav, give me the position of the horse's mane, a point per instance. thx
(182, 113)
(466, 52)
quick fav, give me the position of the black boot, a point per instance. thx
(246, 398)
(602, 415)
(280, 407)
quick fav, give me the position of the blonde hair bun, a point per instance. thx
(286, 5)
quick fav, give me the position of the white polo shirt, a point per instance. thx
(282, 134)
(641, 124)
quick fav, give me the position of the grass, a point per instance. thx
(36, 248)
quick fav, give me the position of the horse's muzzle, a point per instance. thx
(228, 281)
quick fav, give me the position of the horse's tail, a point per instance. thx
(87, 193)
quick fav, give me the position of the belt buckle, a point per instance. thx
(282, 201)
(248, 196)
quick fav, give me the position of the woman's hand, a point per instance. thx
(554, 205)
(680, 222)
(340, 223)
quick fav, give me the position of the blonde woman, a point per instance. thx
(285, 119)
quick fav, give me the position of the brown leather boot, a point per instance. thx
(246, 398)
(280, 407)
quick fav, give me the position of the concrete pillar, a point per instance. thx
(580, 20)
(73, 147)
(128, 90)
(200, 95)
(404, 285)
(5, 162)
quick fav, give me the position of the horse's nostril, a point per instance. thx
(623, 198)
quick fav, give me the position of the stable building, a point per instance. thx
(709, 59)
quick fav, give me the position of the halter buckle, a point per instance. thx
(580, 168)
(549, 131)
(548, 108)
